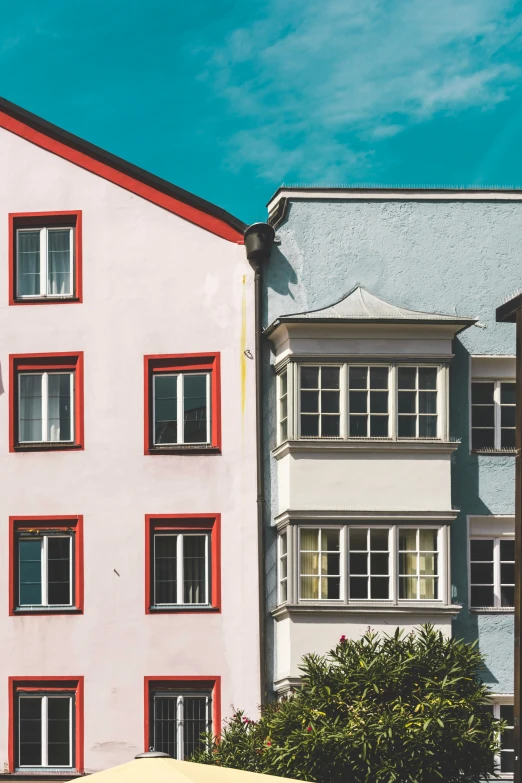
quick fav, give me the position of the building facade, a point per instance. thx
(390, 421)
(128, 459)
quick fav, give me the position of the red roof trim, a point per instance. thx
(215, 225)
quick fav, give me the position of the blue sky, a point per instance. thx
(230, 98)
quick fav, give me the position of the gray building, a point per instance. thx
(389, 421)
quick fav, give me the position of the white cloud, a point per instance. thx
(323, 70)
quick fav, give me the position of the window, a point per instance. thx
(354, 563)
(369, 565)
(182, 403)
(368, 402)
(45, 250)
(505, 760)
(47, 719)
(178, 711)
(47, 401)
(359, 401)
(492, 572)
(283, 568)
(182, 563)
(493, 410)
(46, 565)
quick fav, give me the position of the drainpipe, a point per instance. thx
(259, 238)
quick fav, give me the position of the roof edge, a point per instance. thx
(129, 170)
(287, 319)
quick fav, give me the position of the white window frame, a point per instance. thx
(180, 566)
(283, 581)
(293, 370)
(496, 571)
(498, 701)
(44, 563)
(497, 409)
(45, 405)
(44, 733)
(392, 561)
(342, 558)
(179, 697)
(282, 420)
(44, 262)
(294, 564)
(180, 375)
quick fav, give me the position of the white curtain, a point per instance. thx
(28, 270)
(59, 406)
(59, 262)
(30, 408)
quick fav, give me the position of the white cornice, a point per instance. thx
(422, 610)
(296, 515)
(364, 446)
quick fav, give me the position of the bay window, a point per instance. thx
(356, 563)
(350, 401)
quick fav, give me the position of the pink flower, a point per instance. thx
(342, 639)
(309, 728)
(268, 743)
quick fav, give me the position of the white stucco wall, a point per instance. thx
(152, 284)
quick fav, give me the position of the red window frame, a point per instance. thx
(72, 218)
(212, 683)
(185, 523)
(27, 684)
(184, 362)
(43, 523)
(46, 362)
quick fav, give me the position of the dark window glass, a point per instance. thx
(482, 393)
(407, 426)
(310, 426)
(358, 377)
(359, 426)
(195, 409)
(330, 377)
(330, 426)
(507, 439)
(427, 377)
(309, 401)
(358, 588)
(507, 549)
(30, 571)
(508, 394)
(194, 569)
(378, 377)
(507, 745)
(58, 743)
(30, 728)
(482, 439)
(309, 377)
(407, 377)
(165, 569)
(379, 426)
(165, 409)
(483, 416)
(58, 570)
(193, 716)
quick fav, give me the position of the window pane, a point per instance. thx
(309, 563)
(407, 563)
(165, 569)
(28, 267)
(329, 401)
(310, 587)
(482, 416)
(330, 426)
(380, 588)
(30, 571)
(408, 587)
(358, 377)
(408, 539)
(427, 426)
(427, 377)
(378, 539)
(378, 402)
(165, 409)
(58, 570)
(481, 549)
(309, 539)
(30, 728)
(507, 439)
(283, 384)
(358, 402)
(379, 426)
(427, 565)
(309, 377)
(195, 408)
(378, 377)
(508, 394)
(359, 426)
(59, 749)
(194, 569)
(310, 426)
(482, 393)
(428, 588)
(482, 596)
(407, 402)
(482, 439)
(379, 564)
(358, 538)
(427, 540)
(358, 588)
(358, 564)
(407, 426)
(427, 402)
(60, 405)
(507, 596)
(507, 549)
(329, 377)
(59, 262)
(330, 541)
(195, 723)
(481, 573)
(507, 573)
(330, 587)
(507, 416)
(406, 377)
(30, 408)
(164, 737)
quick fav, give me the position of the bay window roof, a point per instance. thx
(361, 306)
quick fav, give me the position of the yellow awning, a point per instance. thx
(167, 770)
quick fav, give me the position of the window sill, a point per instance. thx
(336, 446)
(494, 452)
(185, 449)
(492, 609)
(50, 446)
(370, 607)
(186, 609)
(39, 300)
(46, 610)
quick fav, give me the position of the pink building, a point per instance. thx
(128, 612)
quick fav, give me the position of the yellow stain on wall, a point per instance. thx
(242, 357)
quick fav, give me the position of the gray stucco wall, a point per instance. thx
(459, 257)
